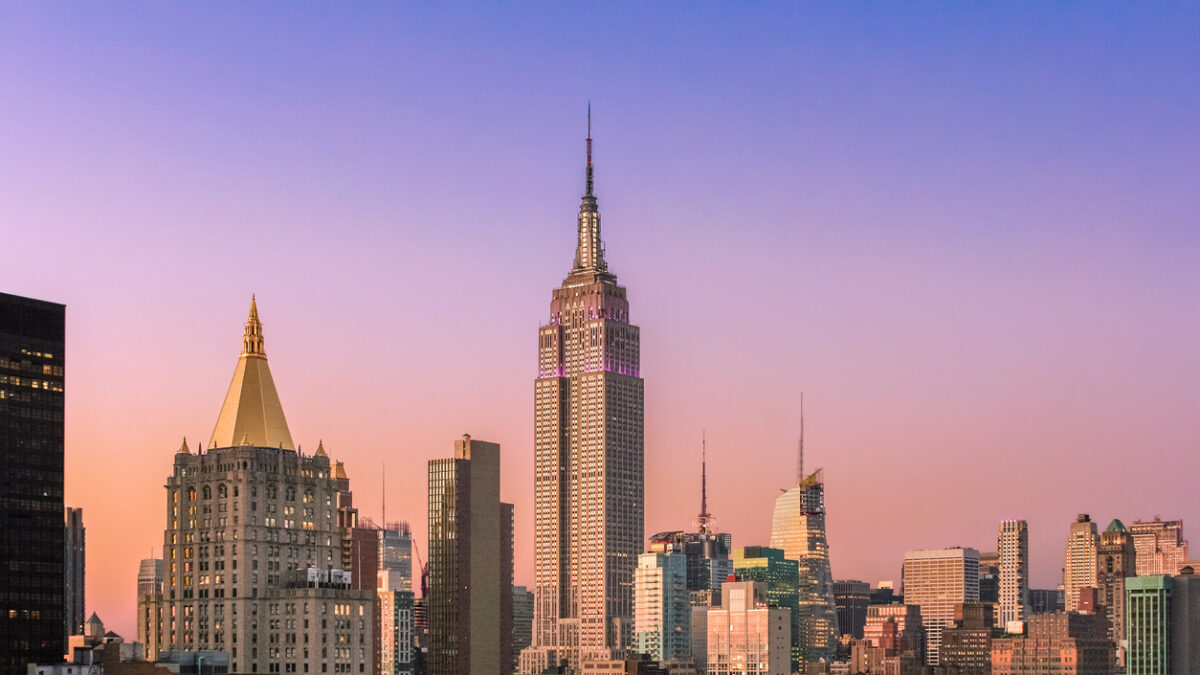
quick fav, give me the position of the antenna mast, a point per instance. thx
(800, 447)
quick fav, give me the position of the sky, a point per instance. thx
(967, 233)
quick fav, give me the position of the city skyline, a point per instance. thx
(1038, 325)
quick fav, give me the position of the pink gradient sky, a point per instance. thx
(968, 234)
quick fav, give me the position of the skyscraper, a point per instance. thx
(852, 598)
(1115, 560)
(74, 564)
(588, 459)
(1148, 629)
(1079, 564)
(938, 580)
(470, 563)
(253, 543)
(798, 528)
(662, 606)
(394, 586)
(1013, 545)
(1160, 546)
(1065, 643)
(31, 495)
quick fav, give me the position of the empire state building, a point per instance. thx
(588, 475)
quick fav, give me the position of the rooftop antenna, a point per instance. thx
(800, 448)
(705, 517)
(383, 494)
(589, 150)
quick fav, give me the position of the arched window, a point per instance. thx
(191, 494)
(222, 491)
(206, 492)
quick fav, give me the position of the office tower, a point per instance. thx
(893, 641)
(254, 541)
(31, 496)
(395, 629)
(588, 457)
(1079, 565)
(74, 562)
(989, 577)
(470, 563)
(852, 598)
(708, 563)
(1045, 601)
(745, 635)
(662, 607)
(779, 577)
(149, 605)
(395, 554)
(798, 528)
(1013, 544)
(938, 580)
(1148, 624)
(1185, 623)
(1065, 643)
(967, 641)
(522, 620)
(1160, 546)
(1115, 560)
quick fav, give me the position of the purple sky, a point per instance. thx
(967, 232)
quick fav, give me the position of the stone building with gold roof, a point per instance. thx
(253, 545)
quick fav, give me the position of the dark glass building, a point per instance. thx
(852, 598)
(31, 494)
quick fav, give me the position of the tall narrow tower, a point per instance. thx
(798, 527)
(588, 475)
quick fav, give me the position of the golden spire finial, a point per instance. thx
(183, 447)
(252, 341)
(320, 448)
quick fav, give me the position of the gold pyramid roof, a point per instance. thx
(252, 413)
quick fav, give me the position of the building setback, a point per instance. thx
(967, 642)
(588, 460)
(253, 545)
(1115, 560)
(1160, 546)
(779, 576)
(149, 605)
(31, 494)
(470, 563)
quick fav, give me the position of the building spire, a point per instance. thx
(252, 341)
(705, 517)
(800, 448)
(589, 255)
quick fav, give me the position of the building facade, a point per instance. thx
(522, 621)
(253, 546)
(967, 642)
(395, 612)
(745, 635)
(1160, 546)
(893, 641)
(778, 575)
(588, 456)
(1064, 643)
(74, 567)
(469, 608)
(662, 607)
(31, 496)
(1012, 544)
(938, 580)
(1185, 623)
(1079, 562)
(708, 563)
